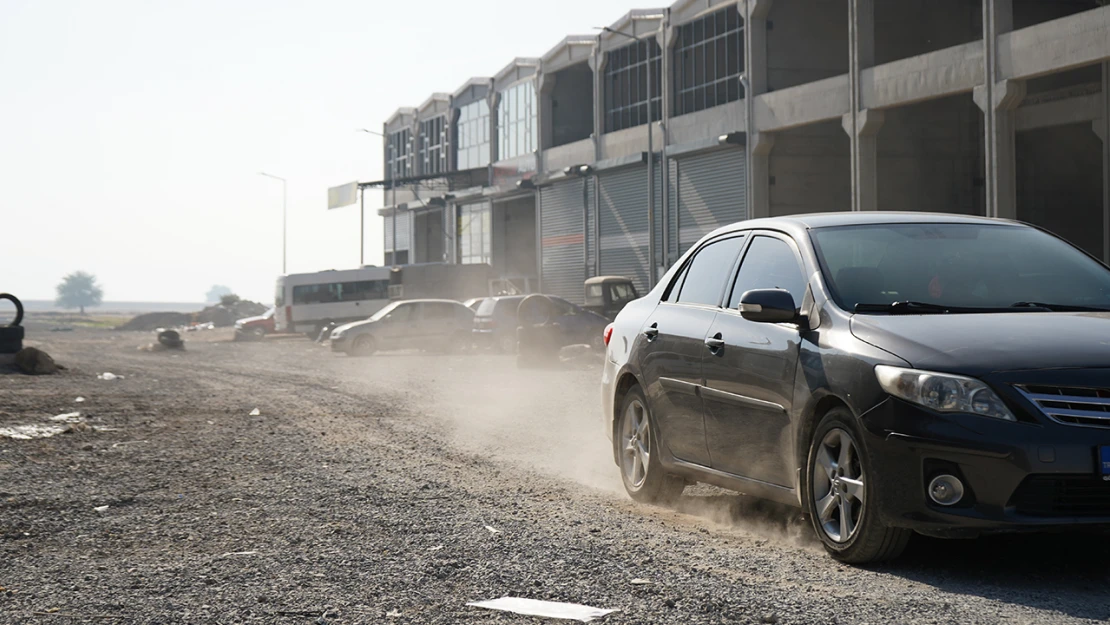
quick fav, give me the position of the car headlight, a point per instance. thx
(942, 392)
(336, 335)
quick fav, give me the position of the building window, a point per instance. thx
(398, 155)
(517, 129)
(473, 135)
(433, 137)
(475, 233)
(708, 61)
(626, 85)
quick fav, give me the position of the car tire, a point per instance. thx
(257, 334)
(634, 438)
(535, 310)
(840, 495)
(363, 345)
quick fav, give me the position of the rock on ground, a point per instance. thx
(33, 361)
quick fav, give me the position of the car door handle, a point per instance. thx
(715, 343)
(651, 332)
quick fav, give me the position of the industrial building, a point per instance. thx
(616, 150)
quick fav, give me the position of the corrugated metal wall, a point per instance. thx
(708, 190)
(563, 238)
(591, 227)
(622, 204)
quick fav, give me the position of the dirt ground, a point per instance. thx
(397, 488)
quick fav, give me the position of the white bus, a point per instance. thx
(306, 302)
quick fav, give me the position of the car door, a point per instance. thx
(436, 326)
(673, 348)
(750, 369)
(398, 326)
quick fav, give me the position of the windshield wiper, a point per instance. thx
(925, 308)
(1058, 307)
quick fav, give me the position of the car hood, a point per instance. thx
(978, 344)
(354, 325)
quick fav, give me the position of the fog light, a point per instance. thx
(946, 490)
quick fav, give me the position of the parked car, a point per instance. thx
(474, 302)
(254, 328)
(432, 324)
(496, 322)
(608, 295)
(888, 373)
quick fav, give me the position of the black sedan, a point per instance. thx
(889, 373)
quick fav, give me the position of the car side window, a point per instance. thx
(705, 278)
(438, 311)
(563, 307)
(404, 312)
(769, 263)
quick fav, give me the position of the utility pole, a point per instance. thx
(283, 216)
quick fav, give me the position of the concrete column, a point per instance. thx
(863, 129)
(755, 69)
(862, 125)
(998, 99)
(597, 64)
(999, 102)
(545, 86)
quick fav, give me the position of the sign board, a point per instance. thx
(343, 195)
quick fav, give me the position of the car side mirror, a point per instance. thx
(769, 306)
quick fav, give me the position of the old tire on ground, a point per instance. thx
(18, 309)
(638, 451)
(11, 339)
(840, 495)
(363, 345)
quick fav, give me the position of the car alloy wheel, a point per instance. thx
(635, 444)
(838, 486)
(638, 454)
(840, 495)
(363, 345)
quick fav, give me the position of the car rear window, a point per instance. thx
(486, 308)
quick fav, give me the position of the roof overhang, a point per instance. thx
(436, 104)
(570, 51)
(520, 69)
(637, 23)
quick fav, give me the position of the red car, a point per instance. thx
(254, 328)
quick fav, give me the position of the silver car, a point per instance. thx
(432, 324)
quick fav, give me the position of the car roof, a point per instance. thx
(427, 301)
(859, 218)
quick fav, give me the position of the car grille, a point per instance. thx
(1062, 495)
(1088, 407)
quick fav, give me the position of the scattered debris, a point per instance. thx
(549, 609)
(239, 553)
(101, 509)
(393, 614)
(27, 432)
(639, 581)
(770, 618)
(79, 400)
(492, 530)
(256, 412)
(69, 417)
(436, 548)
(108, 375)
(33, 361)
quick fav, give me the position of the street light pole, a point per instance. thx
(283, 216)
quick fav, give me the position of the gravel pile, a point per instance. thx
(384, 490)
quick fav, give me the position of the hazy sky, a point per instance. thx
(132, 131)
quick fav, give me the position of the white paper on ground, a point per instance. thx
(549, 609)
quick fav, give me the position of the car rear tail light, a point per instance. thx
(608, 333)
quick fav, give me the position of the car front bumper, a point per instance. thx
(341, 344)
(1018, 476)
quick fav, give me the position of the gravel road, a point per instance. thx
(395, 489)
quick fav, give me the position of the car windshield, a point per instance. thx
(383, 312)
(949, 267)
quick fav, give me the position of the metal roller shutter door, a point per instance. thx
(622, 209)
(591, 227)
(562, 237)
(711, 191)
